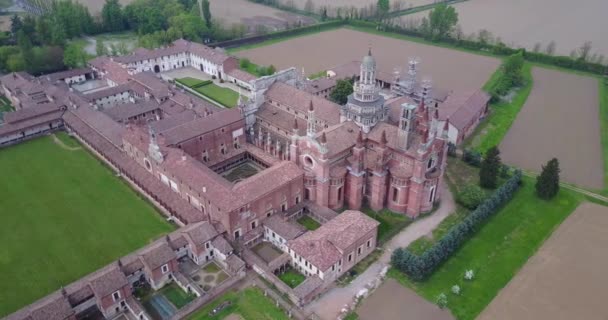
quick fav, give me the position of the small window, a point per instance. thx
(253, 224)
(359, 251)
(297, 199)
(116, 296)
(165, 268)
(369, 243)
(207, 245)
(284, 207)
(350, 257)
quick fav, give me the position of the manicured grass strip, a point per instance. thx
(292, 278)
(390, 223)
(420, 245)
(211, 267)
(502, 115)
(226, 97)
(320, 74)
(67, 140)
(309, 223)
(190, 82)
(498, 250)
(63, 215)
(249, 303)
(178, 297)
(603, 92)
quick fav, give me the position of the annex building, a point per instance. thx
(234, 178)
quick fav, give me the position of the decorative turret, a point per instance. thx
(311, 129)
(360, 139)
(383, 140)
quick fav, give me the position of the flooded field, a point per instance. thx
(449, 69)
(252, 15)
(525, 22)
(560, 119)
(566, 278)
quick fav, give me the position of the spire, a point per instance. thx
(383, 139)
(369, 52)
(311, 125)
(295, 124)
(310, 106)
(436, 115)
(323, 139)
(360, 139)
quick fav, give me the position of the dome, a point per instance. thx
(368, 61)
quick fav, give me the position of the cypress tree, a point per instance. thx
(490, 167)
(547, 183)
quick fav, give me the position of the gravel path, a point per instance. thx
(330, 304)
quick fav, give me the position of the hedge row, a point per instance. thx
(420, 267)
(202, 84)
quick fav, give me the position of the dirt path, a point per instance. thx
(331, 303)
(63, 145)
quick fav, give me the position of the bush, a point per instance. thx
(442, 300)
(456, 289)
(213, 77)
(471, 157)
(452, 149)
(471, 196)
(244, 63)
(420, 267)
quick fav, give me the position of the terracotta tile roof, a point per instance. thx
(157, 255)
(54, 306)
(267, 181)
(394, 108)
(300, 100)
(286, 229)
(132, 265)
(241, 75)
(341, 138)
(222, 245)
(200, 233)
(101, 123)
(80, 295)
(326, 245)
(281, 119)
(307, 287)
(177, 47)
(107, 92)
(108, 281)
(151, 82)
(125, 111)
(321, 84)
(200, 126)
(178, 242)
(29, 113)
(8, 128)
(235, 262)
(61, 75)
(321, 211)
(462, 108)
(135, 305)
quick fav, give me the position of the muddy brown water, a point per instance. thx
(449, 69)
(526, 22)
(566, 278)
(392, 301)
(560, 119)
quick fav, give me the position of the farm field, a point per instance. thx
(391, 301)
(574, 257)
(250, 14)
(403, 4)
(64, 215)
(559, 119)
(449, 69)
(500, 248)
(568, 23)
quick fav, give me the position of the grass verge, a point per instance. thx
(500, 248)
(603, 92)
(249, 303)
(292, 278)
(224, 96)
(64, 215)
(492, 130)
(390, 223)
(178, 297)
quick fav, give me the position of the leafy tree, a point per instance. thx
(382, 7)
(490, 168)
(112, 17)
(16, 24)
(547, 183)
(100, 48)
(513, 67)
(74, 56)
(244, 63)
(550, 48)
(441, 21)
(584, 50)
(340, 93)
(188, 26)
(206, 13)
(471, 196)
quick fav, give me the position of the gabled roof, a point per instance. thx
(158, 255)
(300, 100)
(109, 281)
(462, 108)
(201, 126)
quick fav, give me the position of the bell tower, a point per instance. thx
(407, 125)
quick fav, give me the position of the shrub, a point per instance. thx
(471, 196)
(452, 149)
(456, 289)
(244, 63)
(213, 77)
(442, 300)
(469, 275)
(472, 157)
(420, 267)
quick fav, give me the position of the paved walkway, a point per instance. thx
(63, 145)
(330, 304)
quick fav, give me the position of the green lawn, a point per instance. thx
(5, 105)
(423, 243)
(250, 304)
(309, 223)
(390, 223)
(224, 96)
(500, 248)
(67, 139)
(178, 297)
(292, 278)
(492, 130)
(211, 267)
(64, 215)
